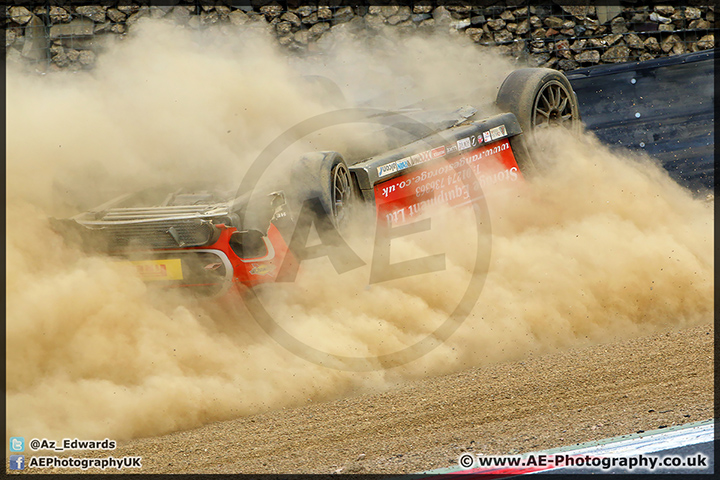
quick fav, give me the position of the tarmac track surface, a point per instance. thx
(540, 403)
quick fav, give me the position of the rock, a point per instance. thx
(579, 45)
(700, 25)
(72, 54)
(612, 39)
(101, 28)
(389, 11)
(474, 33)
(133, 18)
(35, 42)
(87, 57)
(579, 12)
(535, 22)
(654, 17)
(324, 13)
(427, 25)
(523, 27)
(283, 28)
(537, 46)
(678, 49)
(343, 15)
(633, 41)
(646, 56)
(222, 10)
(115, 15)
(668, 44)
(302, 37)
(554, 22)
(441, 15)
(678, 18)
(616, 54)
(550, 63)
(59, 15)
(664, 10)
(61, 60)
(567, 64)
(117, 28)
(419, 17)
(305, 10)
(401, 15)
(666, 28)
(707, 42)
(618, 25)
(507, 16)
(161, 11)
(96, 13)
(10, 36)
(551, 32)
(503, 36)
(511, 27)
(539, 33)
(562, 47)
(377, 21)
(588, 56)
(180, 14)
(536, 60)
(318, 29)
(77, 28)
(460, 24)
(596, 43)
(20, 15)
(128, 9)
(461, 9)
(209, 18)
(652, 45)
(496, 23)
(311, 19)
(271, 10)
(238, 17)
(422, 8)
(291, 18)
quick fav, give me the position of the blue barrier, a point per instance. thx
(664, 107)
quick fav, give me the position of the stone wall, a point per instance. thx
(58, 35)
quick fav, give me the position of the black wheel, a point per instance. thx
(324, 179)
(540, 98)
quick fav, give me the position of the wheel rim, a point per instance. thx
(553, 107)
(342, 192)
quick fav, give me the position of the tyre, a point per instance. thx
(324, 179)
(540, 98)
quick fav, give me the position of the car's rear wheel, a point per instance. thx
(323, 179)
(540, 98)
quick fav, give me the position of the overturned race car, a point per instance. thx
(208, 241)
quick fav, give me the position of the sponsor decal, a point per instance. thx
(498, 132)
(451, 148)
(464, 143)
(437, 152)
(149, 270)
(486, 137)
(387, 169)
(262, 269)
(403, 164)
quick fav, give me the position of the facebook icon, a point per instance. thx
(17, 462)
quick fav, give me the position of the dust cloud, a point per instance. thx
(597, 247)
